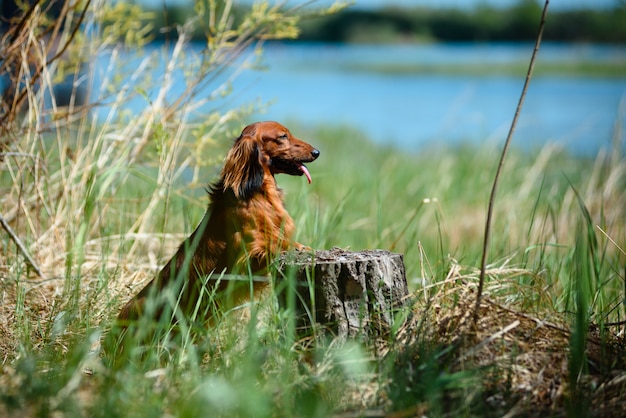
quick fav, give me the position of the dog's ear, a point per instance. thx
(243, 171)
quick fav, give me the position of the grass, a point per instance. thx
(101, 204)
(550, 262)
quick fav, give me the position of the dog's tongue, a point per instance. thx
(303, 168)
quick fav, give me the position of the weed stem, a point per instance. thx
(492, 197)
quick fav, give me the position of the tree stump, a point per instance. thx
(347, 293)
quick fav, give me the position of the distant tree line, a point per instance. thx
(482, 23)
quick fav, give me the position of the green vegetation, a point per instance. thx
(551, 261)
(483, 23)
(612, 69)
(100, 205)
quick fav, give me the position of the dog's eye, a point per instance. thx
(282, 137)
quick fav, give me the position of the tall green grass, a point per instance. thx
(102, 204)
(428, 205)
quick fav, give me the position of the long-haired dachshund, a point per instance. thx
(245, 226)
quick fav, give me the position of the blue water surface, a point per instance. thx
(331, 84)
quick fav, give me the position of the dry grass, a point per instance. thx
(526, 355)
(519, 361)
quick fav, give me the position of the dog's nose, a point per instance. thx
(315, 153)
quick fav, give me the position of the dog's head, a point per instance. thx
(265, 149)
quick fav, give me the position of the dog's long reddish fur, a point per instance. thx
(245, 226)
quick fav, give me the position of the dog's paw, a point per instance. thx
(300, 247)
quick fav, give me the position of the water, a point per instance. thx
(309, 83)
(316, 84)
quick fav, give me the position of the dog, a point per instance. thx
(243, 229)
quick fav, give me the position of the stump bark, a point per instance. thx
(347, 293)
